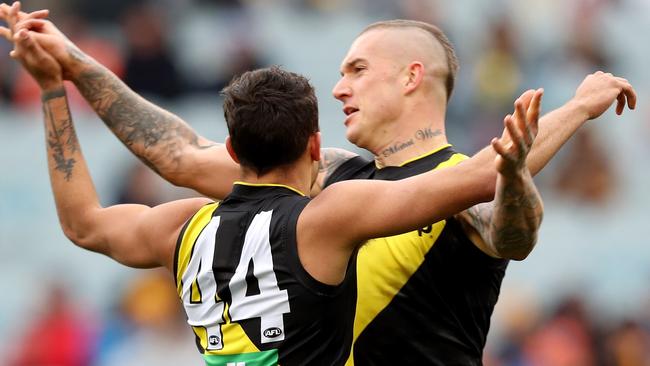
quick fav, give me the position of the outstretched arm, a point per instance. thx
(594, 96)
(513, 218)
(159, 138)
(505, 227)
(134, 235)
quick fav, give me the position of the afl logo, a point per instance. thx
(272, 332)
(213, 340)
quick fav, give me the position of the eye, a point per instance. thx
(359, 68)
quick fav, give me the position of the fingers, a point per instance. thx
(521, 124)
(25, 45)
(532, 115)
(628, 90)
(38, 14)
(627, 95)
(6, 33)
(630, 94)
(525, 99)
(498, 147)
(12, 17)
(516, 134)
(620, 105)
(31, 24)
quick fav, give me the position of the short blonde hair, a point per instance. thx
(438, 34)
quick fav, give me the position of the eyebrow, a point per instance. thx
(350, 64)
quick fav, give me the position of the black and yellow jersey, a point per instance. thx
(246, 295)
(424, 297)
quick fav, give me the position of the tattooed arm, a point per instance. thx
(507, 227)
(134, 235)
(159, 138)
(330, 159)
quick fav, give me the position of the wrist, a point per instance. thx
(52, 92)
(76, 63)
(515, 174)
(578, 108)
(49, 86)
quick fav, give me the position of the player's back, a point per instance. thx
(247, 297)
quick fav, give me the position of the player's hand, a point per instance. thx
(40, 64)
(13, 17)
(48, 36)
(519, 134)
(598, 92)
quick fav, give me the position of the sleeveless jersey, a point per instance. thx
(246, 295)
(424, 297)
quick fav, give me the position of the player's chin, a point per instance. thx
(352, 134)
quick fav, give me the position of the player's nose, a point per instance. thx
(341, 90)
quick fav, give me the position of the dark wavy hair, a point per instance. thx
(270, 113)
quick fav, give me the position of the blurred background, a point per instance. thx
(581, 298)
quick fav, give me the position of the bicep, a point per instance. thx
(353, 211)
(140, 236)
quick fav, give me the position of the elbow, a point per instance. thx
(517, 243)
(520, 251)
(80, 234)
(77, 236)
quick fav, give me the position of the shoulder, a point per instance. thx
(339, 165)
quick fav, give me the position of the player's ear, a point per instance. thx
(314, 146)
(231, 151)
(414, 76)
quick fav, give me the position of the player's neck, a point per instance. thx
(296, 176)
(410, 144)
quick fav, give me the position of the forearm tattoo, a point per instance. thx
(509, 224)
(62, 140)
(156, 136)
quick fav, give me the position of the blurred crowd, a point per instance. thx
(146, 326)
(175, 51)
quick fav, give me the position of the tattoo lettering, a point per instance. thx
(398, 146)
(61, 139)
(427, 133)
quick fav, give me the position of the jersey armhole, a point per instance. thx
(302, 276)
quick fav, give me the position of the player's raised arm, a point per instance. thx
(593, 97)
(134, 235)
(507, 227)
(159, 138)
